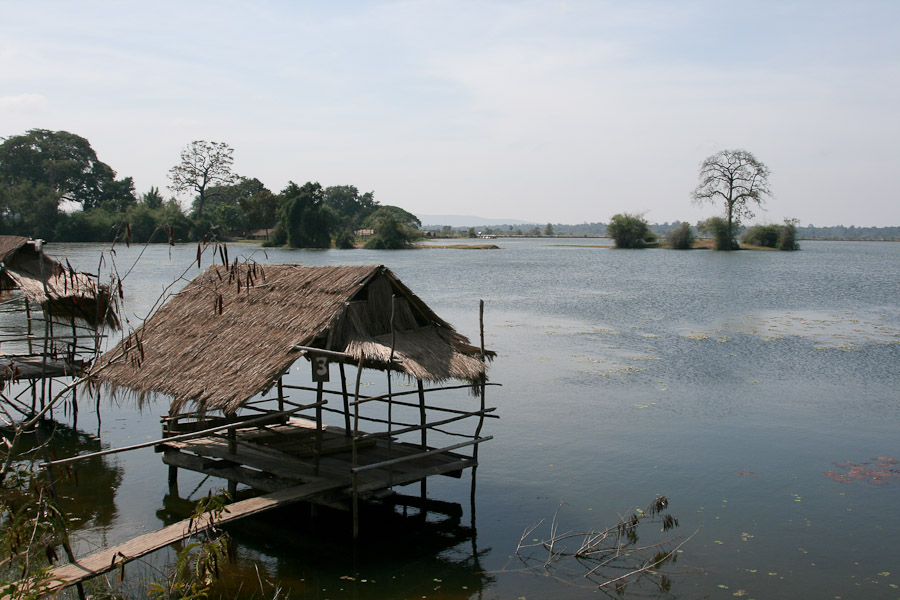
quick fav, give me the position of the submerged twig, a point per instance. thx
(602, 554)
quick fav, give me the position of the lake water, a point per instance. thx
(755, 389)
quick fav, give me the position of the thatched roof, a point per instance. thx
(60, 291)
(232, 331)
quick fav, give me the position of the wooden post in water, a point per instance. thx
(481, 416)
(320, 427)
(280, 394)
(390, 394)
(169, 423)
(28, 321)
(173, 480)
(232, 449)
(483, 377)
(423, 424)
(354, 462)
(346, 399)
(320, 371)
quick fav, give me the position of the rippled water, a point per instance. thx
(755, 389)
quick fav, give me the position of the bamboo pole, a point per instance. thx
(365, 399)
(390, 395)
(320, 429)
(480, 421)
(48, 325)
(281, 393)
(28, 321)
(409, 457)
(175, 438)
(346, 399)
(433, 408)
(408, 392)
(422, 418)
(423, 485)
(354, 462)
(434, 425)
(483, 382)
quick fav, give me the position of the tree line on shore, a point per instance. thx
(600, 229)
(53, 186)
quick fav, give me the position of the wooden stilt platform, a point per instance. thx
(292, 461)
(285, 455)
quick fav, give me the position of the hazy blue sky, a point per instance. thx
(536, 110)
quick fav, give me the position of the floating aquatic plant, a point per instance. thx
(880, 470)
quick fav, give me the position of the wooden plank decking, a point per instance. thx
(283, 456)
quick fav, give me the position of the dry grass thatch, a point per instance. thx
(60, 291)
(230, 333)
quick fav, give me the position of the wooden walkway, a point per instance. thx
(32, 366)
(110, 558)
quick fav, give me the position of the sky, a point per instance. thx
(541, 111)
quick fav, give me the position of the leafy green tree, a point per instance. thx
(718, 228)
(788, 238)
(762, 235)
(681, 237)
(304, 217)
(30, 209)
(260, 209)
(203, 165)
(548, 230)
(407, 219)
(471, 232)
(117, 196)
(630, 231)
(350, 207)
(65, 163)
(344, 240)
(99, 225)
(229, 194)
(783, 237)
(145, 221)
(736, 178)
(391, 234)
(152, 199)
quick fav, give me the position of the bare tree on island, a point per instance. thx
(203, 164)
(736, 178)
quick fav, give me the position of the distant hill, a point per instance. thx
(438, 221)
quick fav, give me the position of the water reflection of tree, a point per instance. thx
(399, 553)
(86, 489)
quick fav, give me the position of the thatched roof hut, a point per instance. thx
(234, 330)
(61, 291)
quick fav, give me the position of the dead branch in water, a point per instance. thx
(608, 559)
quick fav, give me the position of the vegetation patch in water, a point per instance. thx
(880, 470)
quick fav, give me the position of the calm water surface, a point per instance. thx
(754, 389)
